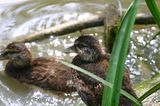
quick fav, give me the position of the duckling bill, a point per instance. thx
(42, 72)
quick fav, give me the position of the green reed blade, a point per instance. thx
(119, 53)
(149, 92)
(155, 10)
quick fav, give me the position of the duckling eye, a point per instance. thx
(12, 49)
(9, 47)
(8, 51)
(82, 45)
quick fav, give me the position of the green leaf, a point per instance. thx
(154, 10)
(154, 37)
(119, 53)
(149, 92)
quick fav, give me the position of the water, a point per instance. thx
(19, 18)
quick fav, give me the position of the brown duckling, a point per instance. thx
(91, 56)
(42, 72)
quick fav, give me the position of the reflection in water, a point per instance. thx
(30, 16)
(142, 57)
(19, 18)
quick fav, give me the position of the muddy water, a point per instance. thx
(18, 18)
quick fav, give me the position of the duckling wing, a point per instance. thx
(49, 73)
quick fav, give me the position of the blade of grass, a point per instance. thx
(119, 53)
(102, 81)
(154, 10)
(149, 92)
(155, 35)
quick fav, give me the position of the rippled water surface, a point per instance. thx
(21, 17)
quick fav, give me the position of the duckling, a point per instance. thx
(91, 56)
(46, 73)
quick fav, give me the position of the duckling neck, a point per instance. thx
(18, 66)
(77, 60)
